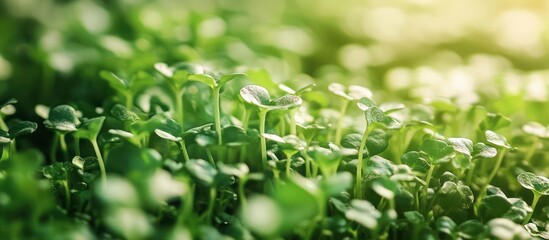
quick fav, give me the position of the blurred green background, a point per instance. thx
(491, 51)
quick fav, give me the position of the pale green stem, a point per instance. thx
(426, 188)
(129, 99)
(262, 118)
(3, 125)
(470, 173)
(307, 166)
(534, 203)
(211, 204)
(358, 186)
(288, 164)
(217, 113)
(339, 128)
(99, 160)
(64, 148)
(241, 193)
(67, 194)
(495, 170)
(76, 146)
(183, 149)
(12, 149)
(210, 157)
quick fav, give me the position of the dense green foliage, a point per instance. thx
(178, 121)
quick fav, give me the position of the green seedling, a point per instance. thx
(539, 186)
(216, 84)
(259, 97)
(90, 130)
(62, 120)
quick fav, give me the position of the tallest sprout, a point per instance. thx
(259, 97)
(216, 84)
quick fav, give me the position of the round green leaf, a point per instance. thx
(255, 95)
(536, 129)
(415, 161)
(533, 182)
(496, 139)
(234, 136)
(481, 150)
(202, 171)
(446, 225)
(170, 130)
(351, 141)
(376, 115)
(364, 213)
(114, 81)
(503, 228)
(229, 77)
(63, 118)
(121, 113)
(285, 102)
(377, 142)
(19, 128)
(414, 217)
(470, 229)
(353, 93)
(204, 78)
(385, 187)
(438, 150)
(462, 145)
(239, 169)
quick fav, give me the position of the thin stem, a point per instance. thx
(64, 146)
(282, 126)
(76, 146)
(470, 173)
(183, 149)
(358, 186)
(3, 125)
(217, 113)
(12, 148)
(67, 194)
(339, 128)
(534, 203)
(426, 188)
(499, 160)
(307, 166)
(129, 99)
(99, 160)
(210, 157)
(241, 193)
(288, 164)
(211, 204)
(262, 117)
